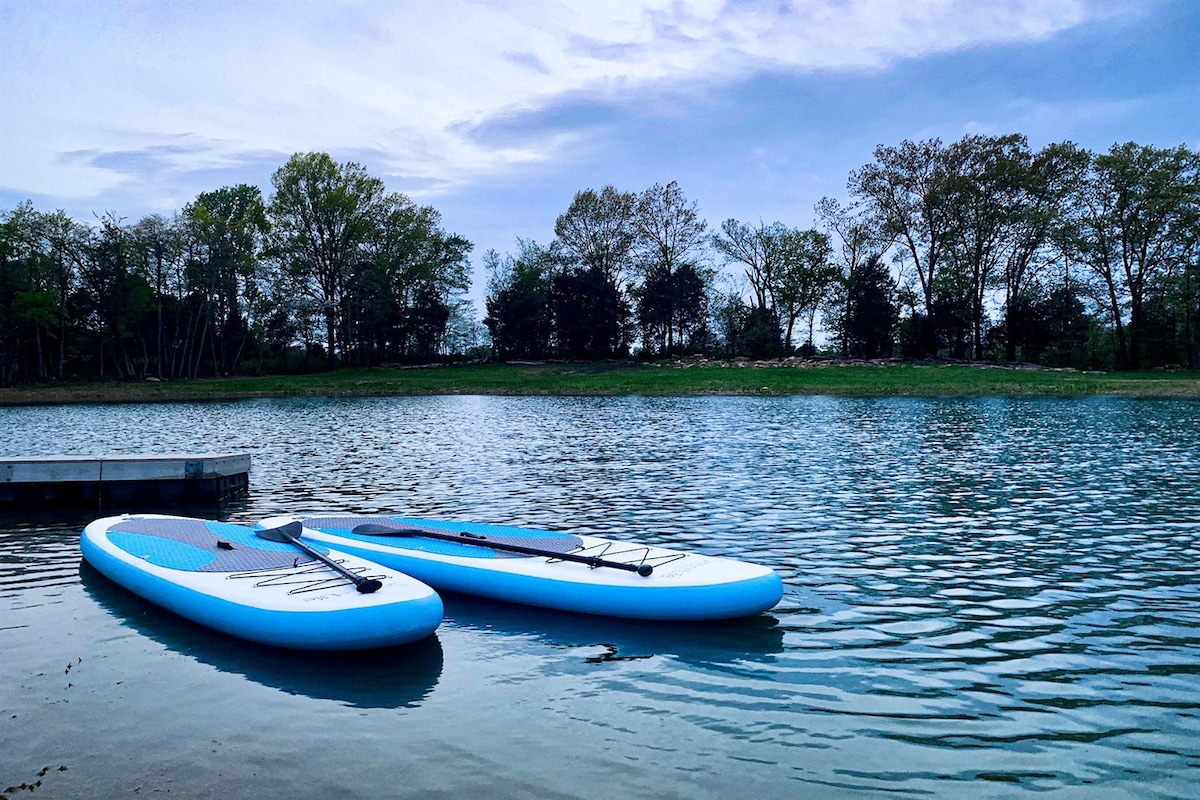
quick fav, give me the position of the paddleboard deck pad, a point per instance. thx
(228, 578)
(680, 585)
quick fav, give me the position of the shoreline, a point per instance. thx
(690, 377)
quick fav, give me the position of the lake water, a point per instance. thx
(984, 598)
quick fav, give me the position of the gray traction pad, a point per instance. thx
(250, 553)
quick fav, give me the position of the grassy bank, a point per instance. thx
(618, 378)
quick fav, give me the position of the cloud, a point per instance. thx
(97, 94)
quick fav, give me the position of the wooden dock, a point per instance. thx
(120, 482)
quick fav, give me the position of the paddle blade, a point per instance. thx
(371, 529)
(285, 533)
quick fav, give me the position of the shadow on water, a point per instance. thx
(39, 548)
(31, 520)
(758, 638)
(77, 517)
(393, 677)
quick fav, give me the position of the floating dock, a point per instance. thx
(119, 482)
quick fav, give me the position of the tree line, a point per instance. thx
(978, 249)
(331, 268)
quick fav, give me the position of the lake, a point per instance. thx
(984, 598)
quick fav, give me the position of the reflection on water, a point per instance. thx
(985, 597)
(394, 677)
(756, 638)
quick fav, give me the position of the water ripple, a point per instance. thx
(984, 596)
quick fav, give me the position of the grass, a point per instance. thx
(640, 378)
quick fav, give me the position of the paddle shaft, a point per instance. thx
(369, 529)
(364, 585)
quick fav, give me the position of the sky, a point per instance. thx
(497, 113)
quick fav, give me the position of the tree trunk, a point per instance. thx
(1191, 314)
(330, 329)
(1137, 321)
(1010, 340)
(37, 339)
(200, 349)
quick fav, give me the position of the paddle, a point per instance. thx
(290, 534)
(370, 529)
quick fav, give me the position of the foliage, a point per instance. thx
(1135, 222)
(672, 307)
(226, 231)
(321, 215)
(788, 269)
(1051, 329)
(871, 314)
(986, 213)
(518, 303)
(590, 314)
(402, 287)
(906, 189)
(672, 310)
(748, 330)
(977, 249)
(598, 232)
(231, 283)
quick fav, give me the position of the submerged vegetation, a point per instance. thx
(981, 250)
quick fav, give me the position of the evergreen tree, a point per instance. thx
(872, 315)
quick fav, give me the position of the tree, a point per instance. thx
(1036, 229)
(984, 198)
(228, 226)
(599, 231)
(759, 251)
(321, 213)
(425, 320)
(27, 296)
(465, 334)
(208, 289)
(871, 314)
(668, 250)
(590, 314)
(1049, 327)
(747, 330)
(672, 309)
(905, 188)
(404, 281)
(114, 299)
(1188, 296)
(788, 270)
(518, 317)
(806, 279)
(1134, 221)
(857, 240)
(66, 240)
(160, 244)
(590, 308)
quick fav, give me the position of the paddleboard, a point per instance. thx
(228, 578)
(574, 573)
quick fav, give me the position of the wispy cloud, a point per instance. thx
(94, 94)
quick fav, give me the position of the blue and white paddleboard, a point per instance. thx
(564, 571)
(228, 578)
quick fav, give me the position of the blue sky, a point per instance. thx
(496, 113)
